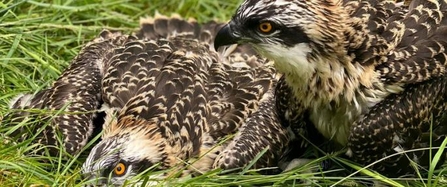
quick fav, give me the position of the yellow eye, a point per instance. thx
(265, 27)
(120, 169)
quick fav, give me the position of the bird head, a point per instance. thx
(290, 32)
(124, 153)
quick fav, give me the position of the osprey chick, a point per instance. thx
(172, 100)
(365, 74)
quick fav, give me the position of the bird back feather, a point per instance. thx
(169, 75)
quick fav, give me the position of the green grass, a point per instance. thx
(39, 38)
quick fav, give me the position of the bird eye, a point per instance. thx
(265, 27)
(120, 169)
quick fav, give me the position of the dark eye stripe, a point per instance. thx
(291, 36)
(143, 165)
(252, 24)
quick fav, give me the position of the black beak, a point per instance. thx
(224, 37)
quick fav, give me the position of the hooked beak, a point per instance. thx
(225, 37)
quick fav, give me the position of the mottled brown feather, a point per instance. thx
(70, 104)
(169, 79)
(367, 74)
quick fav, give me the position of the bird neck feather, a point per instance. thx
(315, 78)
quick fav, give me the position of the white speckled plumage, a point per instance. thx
(182, 97)
(359, 72)
(169, 100)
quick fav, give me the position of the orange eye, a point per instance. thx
(120, 169)
(265, 27)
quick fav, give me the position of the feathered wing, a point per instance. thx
(404, 44)
(376, 29)
(157, 87)
(420, 54)
(70, 104)
(244, 105)
(261, 133)
(403, 122)
(192, 95)
(415, 59)
(162, 26)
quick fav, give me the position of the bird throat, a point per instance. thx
(316, 79)
(328, 88)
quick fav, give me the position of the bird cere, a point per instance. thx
(180, 98)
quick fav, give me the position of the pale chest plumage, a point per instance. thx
(334, 121)
(335, 95)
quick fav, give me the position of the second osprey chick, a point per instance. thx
(367, 74)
